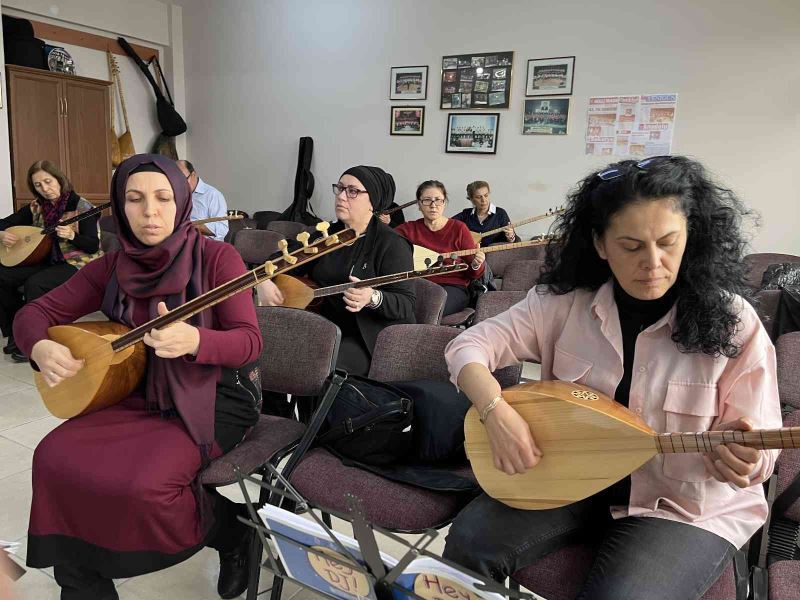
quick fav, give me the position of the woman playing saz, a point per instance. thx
(643, 302)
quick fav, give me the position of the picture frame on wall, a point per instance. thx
(408, 83)
(472, 133)
(546, 116)
(550, 76)
(480, 80)
(407, 120)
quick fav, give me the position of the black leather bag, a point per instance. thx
(20, 46)
(370, 422)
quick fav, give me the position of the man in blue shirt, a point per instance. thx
(207, 201)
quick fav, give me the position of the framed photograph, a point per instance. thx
(407, 120)
(409, 83)
(474, 76)
(550, 76)
(547, 116)
(470, 133)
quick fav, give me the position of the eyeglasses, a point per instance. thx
(645, 164)
(432, 201)
(351, 192)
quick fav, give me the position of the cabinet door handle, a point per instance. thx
(60, 106)
(66, 107)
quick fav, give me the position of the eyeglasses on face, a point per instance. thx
(350, 191)
(432, 201)
(645, 164)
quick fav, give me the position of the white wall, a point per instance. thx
(262, 73)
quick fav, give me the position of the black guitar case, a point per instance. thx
(171, 122)
(300, 210)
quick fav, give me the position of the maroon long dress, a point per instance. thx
(113, 490)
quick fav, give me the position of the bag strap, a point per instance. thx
(787, 497)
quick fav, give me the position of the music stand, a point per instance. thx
(383, 580)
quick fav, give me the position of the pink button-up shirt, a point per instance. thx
(577, 337)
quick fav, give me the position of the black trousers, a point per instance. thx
(639, 558)
(457, 299)
(36, 281)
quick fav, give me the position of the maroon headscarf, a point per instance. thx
(172, 272)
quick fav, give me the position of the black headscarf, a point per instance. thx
(378, 183)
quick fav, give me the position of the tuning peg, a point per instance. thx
(270, 268)
(323, 227)
(283, 246)
(302, 237)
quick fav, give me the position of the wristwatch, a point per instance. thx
(375, 299)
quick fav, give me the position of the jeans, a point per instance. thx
(639, 558)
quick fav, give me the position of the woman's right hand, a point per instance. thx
(269, 294)
(511, 440)
(55, 361)
(8, 239)
(35, 207)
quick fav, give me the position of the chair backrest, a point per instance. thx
(289, 229)
(235, 227)
(787, 350)
(408, 352)
(107, 223)
(256, 245)
(499, 261)
(109, 242)
(522, 275)
(264, 217)
(430, 301)
(766, 305)
(758, 263)
(300, 350)
(492, 304)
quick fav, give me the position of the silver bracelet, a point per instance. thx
(492, 405)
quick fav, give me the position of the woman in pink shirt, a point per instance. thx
(643, 302)
(436, 232)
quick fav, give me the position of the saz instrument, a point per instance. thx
(34, 243)
(126, 148)
(550, 213)
(424, 257)
(116, 157)
(395, 209)
(588, 442)
(116, 356)
(298, 294)
(217, 219)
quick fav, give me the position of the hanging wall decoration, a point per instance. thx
(476, 81)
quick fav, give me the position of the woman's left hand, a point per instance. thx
(174, 340)
(357, 298)
(65, 232)
(510, 235)
(477, 260)
(385, 219)
(733, 463)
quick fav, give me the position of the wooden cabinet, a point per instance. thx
(62, 118)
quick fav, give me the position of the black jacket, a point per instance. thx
(86, 238)
(381, 252)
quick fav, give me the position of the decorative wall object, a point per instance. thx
(409, 83)
(550, 76)
(636, 125)
(476, 81)
(472, 133)
(546, 116)
(407, 120)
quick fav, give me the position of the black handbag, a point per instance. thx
(369, 422)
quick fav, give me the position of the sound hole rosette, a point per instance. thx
(584, 395)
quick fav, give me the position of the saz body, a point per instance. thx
(588, 442)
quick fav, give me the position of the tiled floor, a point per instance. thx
(23, 423)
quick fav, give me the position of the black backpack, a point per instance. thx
(370, 422)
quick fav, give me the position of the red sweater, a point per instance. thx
(453, 236)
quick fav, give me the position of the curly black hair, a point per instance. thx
(712, 269)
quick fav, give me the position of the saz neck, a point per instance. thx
(385, 280)
(393, 210)
(761, 439)
(80, 217)
(521, 223)
(234, 286)
(497, 247)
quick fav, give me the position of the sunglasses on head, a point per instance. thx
(645, 164)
